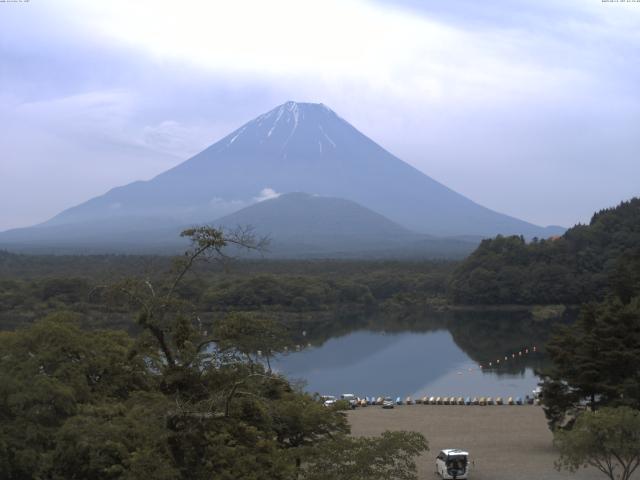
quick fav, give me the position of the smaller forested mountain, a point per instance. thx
(306, 226)
(582, 265)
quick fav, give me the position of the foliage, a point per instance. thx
(174, 402)
(595, 361)
(608, 440)
(49, 373)
(389, 456)
(251, 335)
(578, 267)
(33, 286)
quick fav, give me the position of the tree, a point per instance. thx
(608, 440)
(594, 362)
(251, 335)
(49, 374)
(163, 312)
(580, 266)
(300, 422)
(172, 403)
(391, 455)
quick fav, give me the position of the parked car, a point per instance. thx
(387, 402)
(351, 398)
(453, 463)
(328, 400)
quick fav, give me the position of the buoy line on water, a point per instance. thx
(494, 364)
(522, 353)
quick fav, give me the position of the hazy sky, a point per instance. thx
(529, 107)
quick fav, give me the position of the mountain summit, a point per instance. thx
(296, 147)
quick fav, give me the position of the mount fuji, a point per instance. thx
(296, 147)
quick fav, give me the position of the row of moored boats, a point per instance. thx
(527, 400)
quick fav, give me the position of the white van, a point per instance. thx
(452, 463)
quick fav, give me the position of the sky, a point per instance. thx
(529, 107)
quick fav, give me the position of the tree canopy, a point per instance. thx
(582, 265)
(594, 362)
(176, 401)
(608, 440)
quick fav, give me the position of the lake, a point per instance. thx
(418, 363)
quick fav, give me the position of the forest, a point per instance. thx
(584, 264)
(176, 399)
(31, 287)
(155, 360)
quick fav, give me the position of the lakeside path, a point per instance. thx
(506, 442)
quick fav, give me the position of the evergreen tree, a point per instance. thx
(596, 362)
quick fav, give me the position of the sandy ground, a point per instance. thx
(505, 442)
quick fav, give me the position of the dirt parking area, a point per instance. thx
(505, 442)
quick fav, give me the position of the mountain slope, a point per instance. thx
(308, 217)
(303, 225)
(583, 265)
(300, 147)
(298, 225)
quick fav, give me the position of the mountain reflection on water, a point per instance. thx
(436, 355)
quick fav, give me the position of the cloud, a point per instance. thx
(266, 194)
(175, 138)
(510, 103)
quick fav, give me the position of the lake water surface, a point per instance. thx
(374, 363)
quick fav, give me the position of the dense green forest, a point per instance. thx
(176, 400)
(582, 265)
(31, 287)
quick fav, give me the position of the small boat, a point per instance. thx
(528, 400)
(387, 402)
(408, 401)
(438, 400)
(467, 401)
(482, 401)
(363, 402)
(432, 400)
(498, 400)
(460, 401)
(379, 400)
(510, 401)
(425, 400)
(476, 401)
(489, 401)
(518, 401)
(398, 401)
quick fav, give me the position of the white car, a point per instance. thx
(387, 402)
(453, 463)
(328, 400)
